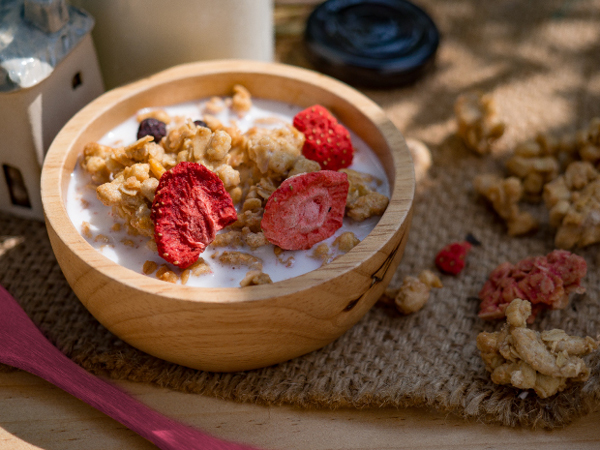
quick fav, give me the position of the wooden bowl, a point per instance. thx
(229, 329)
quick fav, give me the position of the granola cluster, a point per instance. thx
(504, 195)
(573, 200)
(363, 201)
(251, 165)
(478, 123)
(564, 173)
(413, 293)
(546, 362)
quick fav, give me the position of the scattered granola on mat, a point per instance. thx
(574, 203)
(478, 125)
(504, 196)
(545, 362)
(414, 292)
(545, 281)
(535, 165)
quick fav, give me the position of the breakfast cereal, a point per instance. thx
(252, 149)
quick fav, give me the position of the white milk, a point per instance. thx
(131, 251)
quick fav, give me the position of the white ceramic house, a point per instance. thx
(48, 71)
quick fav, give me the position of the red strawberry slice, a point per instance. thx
(305, 209)
(189, 207)
(451, 259)
(327, 142)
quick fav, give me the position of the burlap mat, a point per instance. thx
(540, 60)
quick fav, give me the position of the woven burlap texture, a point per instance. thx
(539, 59)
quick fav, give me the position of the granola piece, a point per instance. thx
(252, 203)
(363, 201)
(231, 238)
(546, 281)
(148, 188)
(545, 362)
(241, 101)
(478, 125)
(372, 204)
(229, 176)
(254, 240)
(128, 243)
(250, 219)
(573, 200)
(149, 267)
(102, 238)
(197, 269)
(98, 162)
(124, 193)
(262, 190)
(414, 292)
(214, 106)
(421, 158)
(212, 122)
(240, 259)
(303, 165)
(589, 142)
(255, 278)
(534, 167)
(199, 144)
(322, 252)
(158, 114)
(504, 195)
(287, 262)
(346, 241)
(165, 274)
(86, 230)
(274, 151)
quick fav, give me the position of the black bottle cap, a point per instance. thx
(375, 43)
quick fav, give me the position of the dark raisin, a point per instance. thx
(200, 123)
(152, 127)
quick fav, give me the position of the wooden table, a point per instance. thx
(36, 415)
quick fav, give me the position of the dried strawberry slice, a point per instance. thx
(451, 259)
(326, 141)
(305, 209)
(189, 207)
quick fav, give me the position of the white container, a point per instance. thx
(136, 38)
(31, 115)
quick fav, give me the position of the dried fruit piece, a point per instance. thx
(305, 209)
(451, 259)
(152, 127)
(327, 142)
(190, 206)
(546, 281)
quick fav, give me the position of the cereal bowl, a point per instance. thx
(231, 328)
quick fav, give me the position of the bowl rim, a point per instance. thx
(53, 185)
